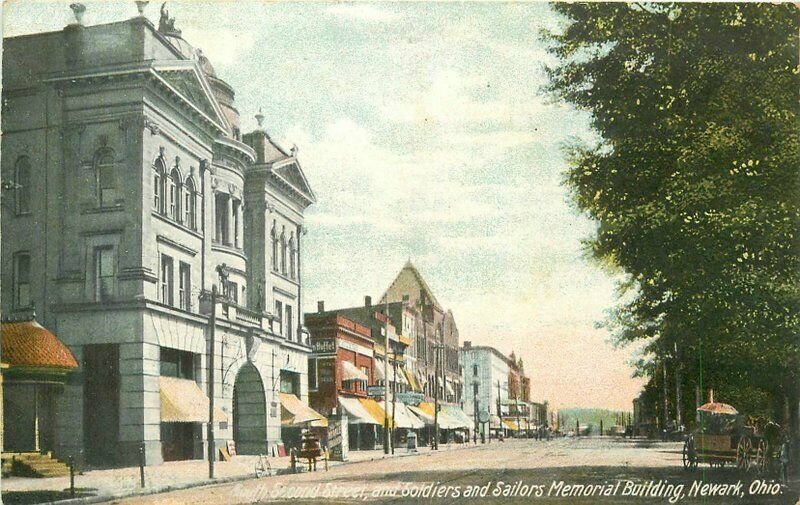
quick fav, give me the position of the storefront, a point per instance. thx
(296, 416)
(363, 426)
(184, 414)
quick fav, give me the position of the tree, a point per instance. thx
(694, 184)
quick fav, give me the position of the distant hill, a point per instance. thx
(591, 418)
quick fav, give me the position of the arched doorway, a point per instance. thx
(249, 412)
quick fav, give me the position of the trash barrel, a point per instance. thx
(411, 441)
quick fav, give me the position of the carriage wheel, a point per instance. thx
(743, 454)
(689, 454)
(762, 457)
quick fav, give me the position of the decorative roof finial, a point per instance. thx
(140, 6)
(295, 150)
(260, 118)
(78, 9)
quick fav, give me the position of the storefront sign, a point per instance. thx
(410, 397)
(323, 345)
(376, 391)
(337, 438)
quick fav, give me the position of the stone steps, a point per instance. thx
(33, 464)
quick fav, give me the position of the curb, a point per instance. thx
(225, 480)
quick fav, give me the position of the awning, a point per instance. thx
(511, 425)
(375, 410)
(351, 373)
(294, 412)
(447, 421)
(28, 346)
(422, 414)
(401, 377)
(404, 418)
(182, 401)
(450, 388)
(378, 370)
(356, 413)
(457, 414)
(494, 420)
(412, 381)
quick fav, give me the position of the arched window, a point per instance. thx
(22, 178)
(174, 194)
(292, 255)
(189, 204)
(159, 174)
(105, 178)
(283, 250)
(274, 235)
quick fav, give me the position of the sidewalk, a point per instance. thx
(103, 485)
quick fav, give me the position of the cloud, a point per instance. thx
(220, 45)
(362, 12)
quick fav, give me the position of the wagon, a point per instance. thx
(722, 438)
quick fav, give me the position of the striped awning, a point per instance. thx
(351, 373)
(375, 410)
(404, 418)
(457, 414)
(378, 371)
(412, 381)
(182, 401)
(356, 413)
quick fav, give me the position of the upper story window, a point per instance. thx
(104, 273)
(22, 178)
(279, 314)
(106, 178)
(22, 280)
(159, 174)
(167, 280)
(289, 322)
(185, 286)
(189, 204)
(274, 236)
(474, 369)
(221, 218)
(174, 195)
(292, 256)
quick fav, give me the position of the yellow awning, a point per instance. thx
(356, 413)
(182, 401)
(412, 381)
(294, 412)
(375, 410)
(511, 425)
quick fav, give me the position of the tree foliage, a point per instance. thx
(695, 182)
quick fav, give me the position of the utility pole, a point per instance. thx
(386, 374)
(436, 349)
(475, 410)
(394, 396)
(211, 348)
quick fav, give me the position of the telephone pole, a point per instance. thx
(211, 348)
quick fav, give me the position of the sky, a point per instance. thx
(426, 135)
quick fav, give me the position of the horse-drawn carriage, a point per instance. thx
(723, 438)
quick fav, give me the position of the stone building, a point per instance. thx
(486, 372)
(129, 193)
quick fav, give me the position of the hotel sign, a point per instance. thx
(323, 345)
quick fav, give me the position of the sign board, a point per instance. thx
(375, 390)
(483, 416)
(323, 345)
(410, 397)
(337, 438)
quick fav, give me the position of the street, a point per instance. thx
(574, 471)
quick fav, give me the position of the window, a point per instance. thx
(474, 369)
(279, 314)
(221, 218)
(175, 363)
(22, 280)
(283, 250)
(233, 292)
(106, 178)
(475, 389)
(22, 177)
(292, 253)
(185, 286)
(312, 373)
(166, 280)
(174, 182)
(289, 322)
(236, 238)
(158, 186)
(274, 235)
(189, 205)
(103, 273)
